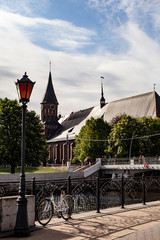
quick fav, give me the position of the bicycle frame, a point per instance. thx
(57, 208)
(48, 207)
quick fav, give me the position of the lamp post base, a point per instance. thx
(21, 228)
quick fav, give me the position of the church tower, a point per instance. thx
(49, 109)
(102, 100)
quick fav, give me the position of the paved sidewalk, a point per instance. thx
(134, 222)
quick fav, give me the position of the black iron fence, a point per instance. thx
(93, 194)
(99, 193)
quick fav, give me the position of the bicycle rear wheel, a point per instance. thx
(67, 207)
(45, 211)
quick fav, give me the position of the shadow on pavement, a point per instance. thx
(42, 234)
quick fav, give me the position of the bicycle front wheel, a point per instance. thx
(67, 207)
(45, 211)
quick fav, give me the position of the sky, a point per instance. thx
(83, 40)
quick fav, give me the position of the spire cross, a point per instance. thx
(50, 66)
(154, 86)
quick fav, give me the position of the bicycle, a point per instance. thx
(47, 208)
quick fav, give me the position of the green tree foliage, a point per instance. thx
(87, 142)
(10, 136)
(149, 146)
(36, 143)
(120, 138)
(142, 133)
(10, 133)
(141, 136)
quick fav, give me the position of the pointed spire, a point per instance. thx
(102, 100)
(50, 96)
(102, 87)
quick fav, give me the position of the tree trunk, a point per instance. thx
(13, 168)
(44, 163)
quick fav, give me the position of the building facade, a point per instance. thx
(61, 132)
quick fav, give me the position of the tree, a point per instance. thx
(10, 136)
(89, 142)
(121, 136)
(149, 146)
(10, 132)
(36, 143)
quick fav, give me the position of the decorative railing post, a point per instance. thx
(122, 192)
(69, 185)
(97, 194)
(33, 186)
(143, 190)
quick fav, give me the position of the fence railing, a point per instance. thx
(94, 194)
(134, 160)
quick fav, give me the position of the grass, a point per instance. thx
(33, 170)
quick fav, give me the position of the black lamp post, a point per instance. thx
(24, 89)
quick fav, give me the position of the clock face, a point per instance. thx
(52, 107)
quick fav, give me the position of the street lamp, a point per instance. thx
(24, 89)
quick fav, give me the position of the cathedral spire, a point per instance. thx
(50, 96)
(102, 100)
(49, 108)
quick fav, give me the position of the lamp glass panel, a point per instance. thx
(23, 89)
(29, 89)
(18, 90)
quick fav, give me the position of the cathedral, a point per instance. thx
(61, 132)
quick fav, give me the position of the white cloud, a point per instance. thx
(136, 70)
(139, 11)
(76, 76)
(27, 7)
(56, 33)
(19, 54)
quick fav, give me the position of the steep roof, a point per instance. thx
(143, 105)
(70, 124)
(75, 118)
(50, 96)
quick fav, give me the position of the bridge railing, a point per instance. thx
(93, 193)
(134, 160)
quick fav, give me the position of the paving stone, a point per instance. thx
(136, 222)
